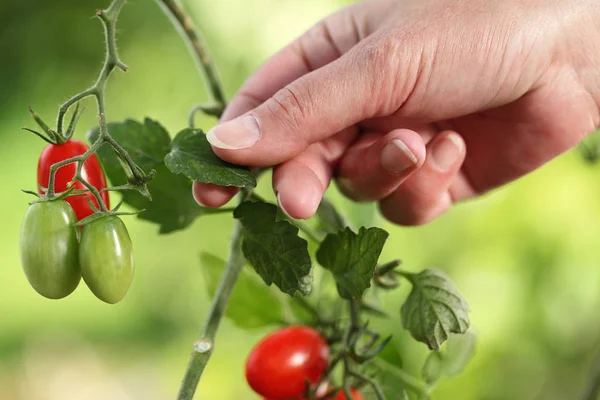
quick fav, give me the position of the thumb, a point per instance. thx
(310, 109)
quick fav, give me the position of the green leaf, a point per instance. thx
(252, 304)
(330, 221)
(274, 248)
(352, 258)
(146, 143)
(192, 156)
(434, 308)
(452, 359)
(172, 206)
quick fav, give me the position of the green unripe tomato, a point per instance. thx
(50, 249)
(106, 258)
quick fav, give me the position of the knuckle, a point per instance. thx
(398, 60)
(289, 106)
(387, 60)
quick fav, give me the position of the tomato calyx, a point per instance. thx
(102, 214)
(50, 135)
(41, 198)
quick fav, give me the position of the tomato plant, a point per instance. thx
(327, 348)
(91, 171)
(49, 249)
(280, 365)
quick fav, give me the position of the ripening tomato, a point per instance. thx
(106, 258)
(50, 249)
(92, 172)
(353, 392)
(280, 364)
(339, 396)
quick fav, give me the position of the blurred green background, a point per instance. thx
(526, 257)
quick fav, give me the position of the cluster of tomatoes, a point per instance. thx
(55, 253)
(280, 366)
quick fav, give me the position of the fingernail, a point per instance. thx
(396, 157)
(239, 133)
(281, 206)
(446, 152)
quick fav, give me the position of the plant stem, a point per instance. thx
(369, 381)
(302, 302)
(108, 18)
(203, 348)
(308, 231)
(593, 387)
(410, 382)
(80, 160)
(355, 313)
(197, 47)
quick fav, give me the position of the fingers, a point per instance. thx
(300, 183)
(320, 46)
(377, 164)
(306, 111)
(508, 142)
(425, 195)
(208, 195)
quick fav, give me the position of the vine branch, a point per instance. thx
(203, 348)
(592, 390)
(108, 18)
(199, 52)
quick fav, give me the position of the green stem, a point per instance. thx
(346, 379)
(355, 314)
(197, 47)
(593, 387)
(108, 18)
(80, 160)
(302, 302)
(369, 381)
(203, 348)
(308, 231)
(215, 110)
(410, 382)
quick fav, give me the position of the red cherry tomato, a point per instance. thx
(92, 172)
(340, 395)
(355, 395)
(321, 393)
(280, 364)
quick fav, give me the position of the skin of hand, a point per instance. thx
(416, 104)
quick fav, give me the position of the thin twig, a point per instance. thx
(592, 390)
(410, 382)
(197, 47)
(369, 381)
(108, 18)
(203, 348)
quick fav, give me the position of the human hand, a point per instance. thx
(416, 104)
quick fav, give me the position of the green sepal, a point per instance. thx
(53, 136)
(74, 118)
